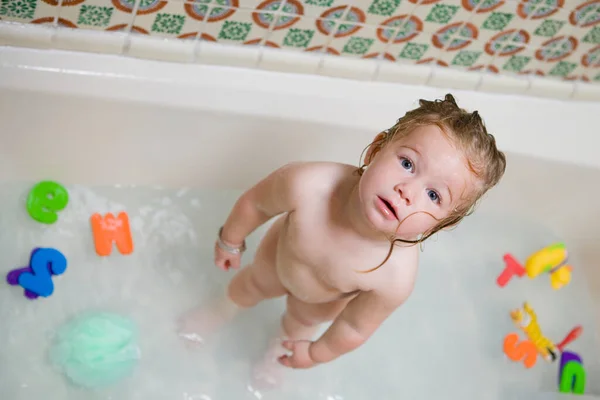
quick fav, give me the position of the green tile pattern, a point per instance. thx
(552, 38)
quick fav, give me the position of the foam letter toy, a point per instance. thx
(36, 279)
(109, 229)
(516, 351)
(571, 374)
(45, 199)
(512, 268)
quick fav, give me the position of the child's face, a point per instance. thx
(414, 180)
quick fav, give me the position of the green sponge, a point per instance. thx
(96, 349)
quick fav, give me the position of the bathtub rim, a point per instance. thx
(279, 95)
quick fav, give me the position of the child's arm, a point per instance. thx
(279, 192)
(359, 320)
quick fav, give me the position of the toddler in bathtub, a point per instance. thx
(344, 247)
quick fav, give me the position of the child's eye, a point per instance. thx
(406, 164)
(433, 196)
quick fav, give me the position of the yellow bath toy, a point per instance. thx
(551, 259)
(526, 319)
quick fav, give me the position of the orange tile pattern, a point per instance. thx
(556, 39)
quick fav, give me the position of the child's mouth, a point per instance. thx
(389, 206)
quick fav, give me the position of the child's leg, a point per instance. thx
(299, 322)
(254, 283)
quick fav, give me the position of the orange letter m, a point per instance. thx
(109, 229)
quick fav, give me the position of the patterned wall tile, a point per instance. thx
(379, 11)
(557, 39)
(247, 4)
(167, 19)
(396, 33)
(363, 42)
(238, 27)
(325, 9)
(419, 49)
(513, 60)
(93, 14)
(34, 11)
(269, 6)
(585, 21)
(299, 33)
(435, 16)
(542, 29)
(473, 59)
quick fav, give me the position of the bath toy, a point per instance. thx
(571, 373)
(512, 268)
(572, 336)
(518, 351)
(109, 229)
(45, 199)
(95, 350)
(36, 278)
(526, 319)
(551, 259)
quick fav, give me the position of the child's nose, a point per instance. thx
(405, 194)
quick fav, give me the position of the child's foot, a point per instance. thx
(268, 373)
(198, 324)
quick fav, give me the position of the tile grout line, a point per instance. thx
(197, 50)
(262, 44)
(335, 29)
(496, 53)
(55, 23)
(276, 15)
(127, 42)
(57, 16)
(576, 83)
(449, 42)
(472, 15)
(565, 36)
(381, 58)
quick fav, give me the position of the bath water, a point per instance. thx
(445, 342)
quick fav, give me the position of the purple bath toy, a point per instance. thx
(36, 279)
(571, 373)
(566, 357)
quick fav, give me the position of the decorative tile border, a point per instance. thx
(553, 39)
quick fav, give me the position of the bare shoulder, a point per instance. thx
(294, 185)
(316, 169)
(318, 177)
(400, 275)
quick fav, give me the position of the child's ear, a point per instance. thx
(374, 147)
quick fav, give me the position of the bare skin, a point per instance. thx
(332, 226)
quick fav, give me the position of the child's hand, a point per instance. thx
(300, 357)
(226, 260)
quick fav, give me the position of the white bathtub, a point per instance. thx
(98, 119)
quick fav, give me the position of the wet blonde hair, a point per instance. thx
(468, 133)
